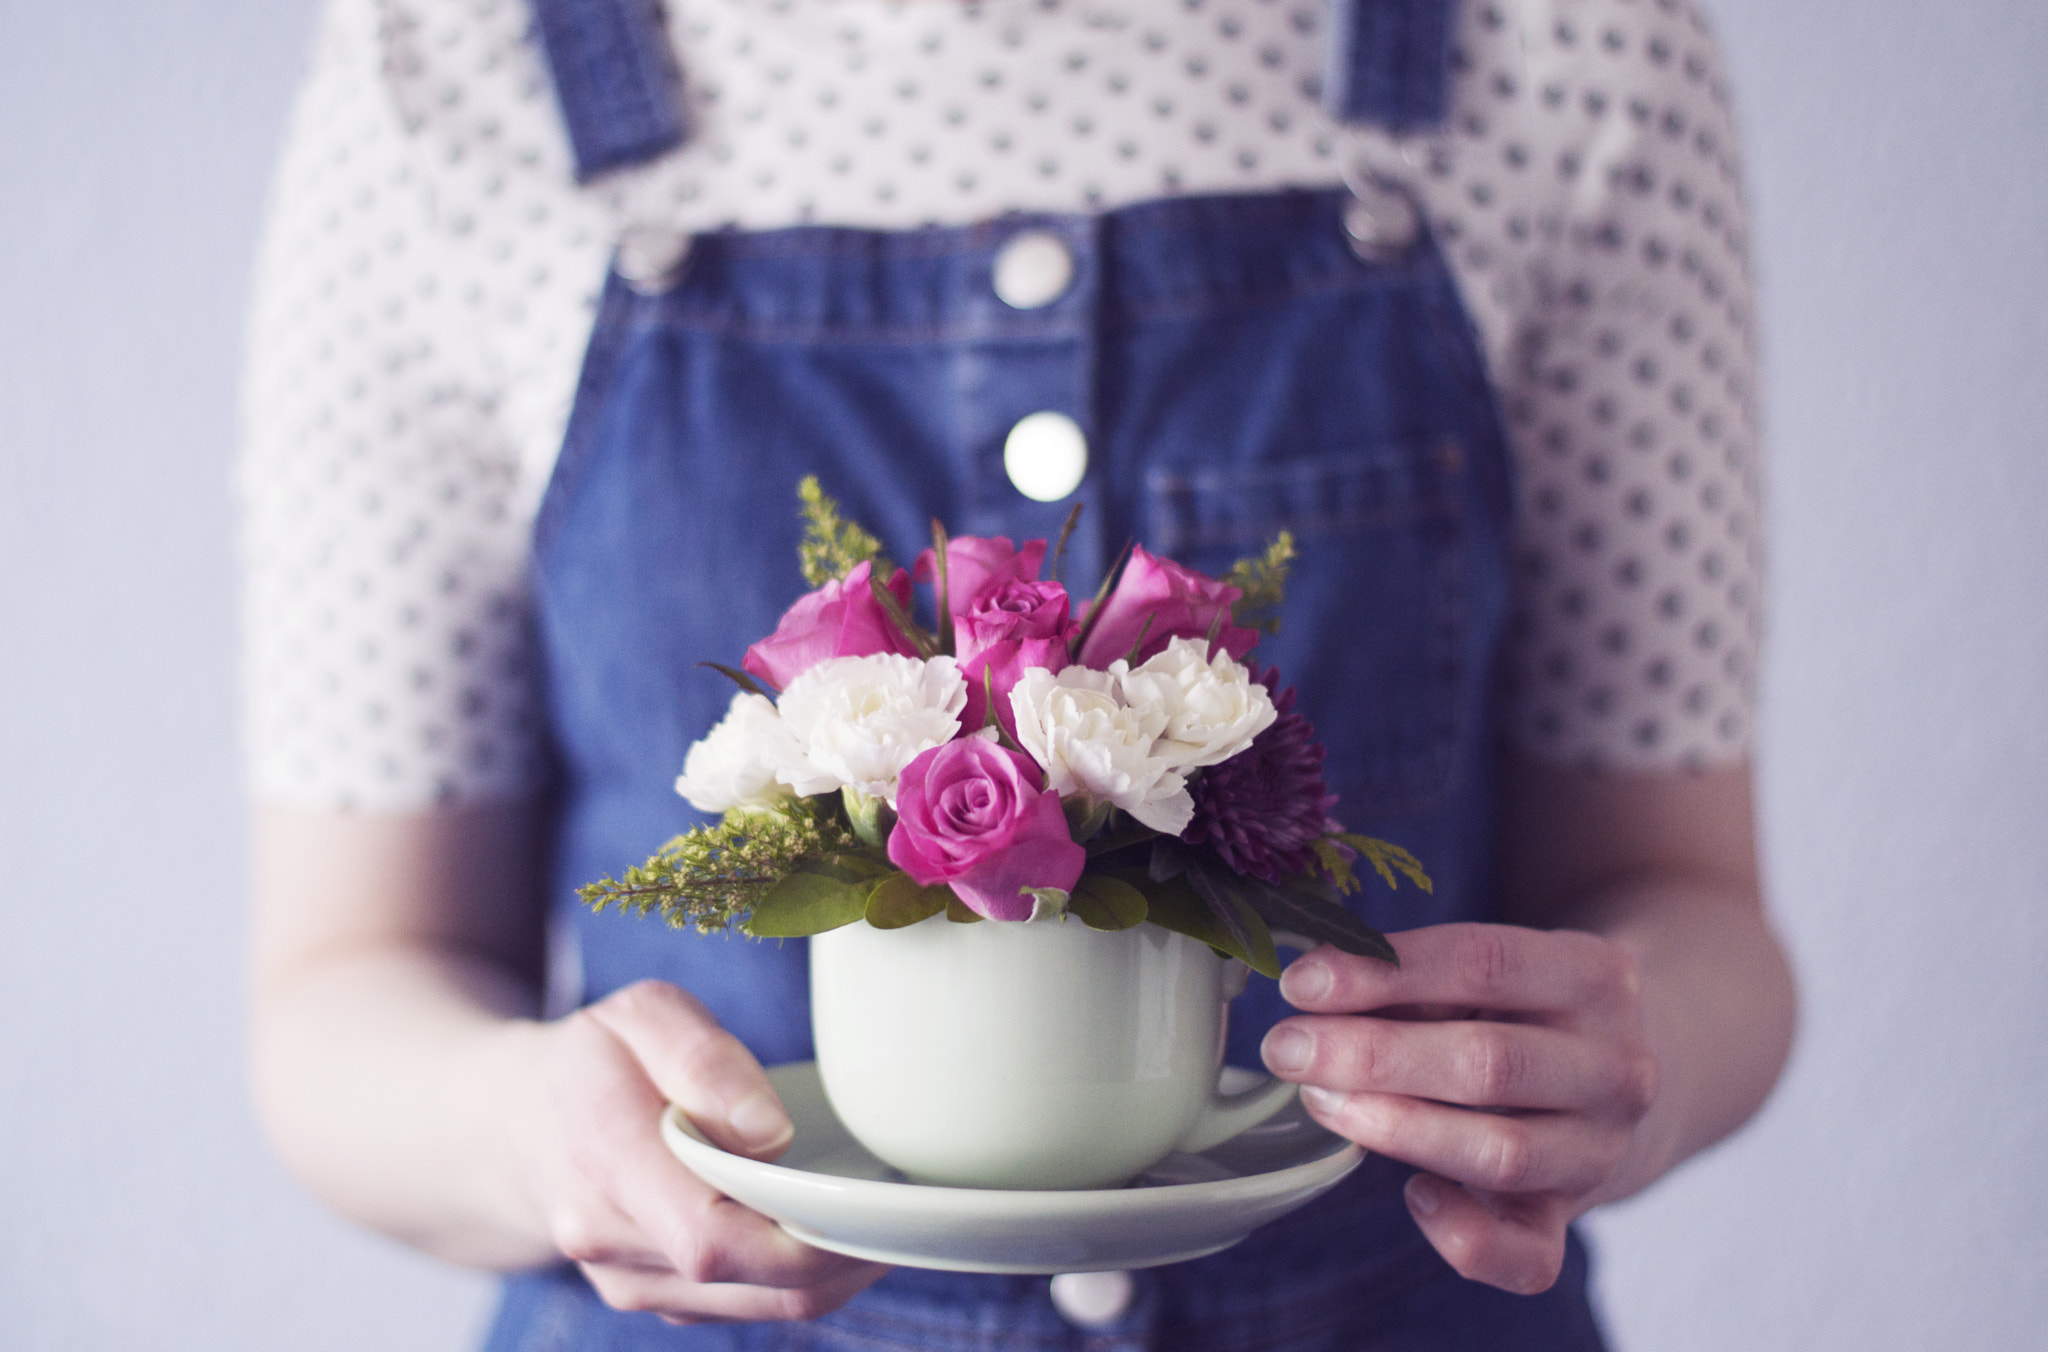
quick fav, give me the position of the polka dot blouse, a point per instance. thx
(430, 271)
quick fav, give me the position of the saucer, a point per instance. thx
(829, 1192)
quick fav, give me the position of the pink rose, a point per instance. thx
(1182, 603)
(1011, 626)
(839, 619)
(974, 565)
(978, 816)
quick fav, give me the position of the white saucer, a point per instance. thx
(829, 1192)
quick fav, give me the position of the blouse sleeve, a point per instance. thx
(1593, 203)
(387, 656)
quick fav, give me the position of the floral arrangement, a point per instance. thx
(1120, 762)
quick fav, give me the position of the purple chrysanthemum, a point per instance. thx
(1264, 809)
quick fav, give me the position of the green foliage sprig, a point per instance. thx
(1384, 856)
(832, 547)
(713, 878)
(1263, 580)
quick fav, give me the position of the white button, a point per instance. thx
(1045, 456)
(1033, 269)
(651, 258)
(1381, 221)
(1092, 1299)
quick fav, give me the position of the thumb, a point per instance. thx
(698, 1066)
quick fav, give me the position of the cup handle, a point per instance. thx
(1225, 1115)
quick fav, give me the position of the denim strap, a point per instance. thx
(615, 78)
(1390, 62)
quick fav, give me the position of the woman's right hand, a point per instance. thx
(649, 1234)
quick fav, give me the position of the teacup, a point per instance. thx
(1037, 1054)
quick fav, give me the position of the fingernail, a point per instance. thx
(759, 1120)
(1308, 979)
(1425, 1194)
(1288, 1049)
(1329, 1100)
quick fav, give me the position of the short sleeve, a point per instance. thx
(1595, 209)
(387, 655)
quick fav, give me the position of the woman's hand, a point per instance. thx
(1510, 1065)
(648, 1233)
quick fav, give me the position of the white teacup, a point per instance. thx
(1037, 1054)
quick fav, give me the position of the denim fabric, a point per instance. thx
(615, 79)
(1237, 369)
(1388, 62)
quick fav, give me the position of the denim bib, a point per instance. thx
(1237, 367)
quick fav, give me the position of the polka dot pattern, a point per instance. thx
(430, 271)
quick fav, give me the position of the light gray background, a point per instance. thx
(1892, 1196)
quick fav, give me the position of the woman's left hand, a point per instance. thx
(1510, 1065)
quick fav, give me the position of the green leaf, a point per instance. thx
(849, 866)
(1300, 909)
(958, 912)
(898, 901)
(738, 678)
(807, 903)
(886, 599)
(1385, 857)
(1226, 902)
(1094, 616)
(1175, 906)
(1123, 838)
(1170, 858)
(1059, 549)
(945, 596)
(1084, 818)
(1105, 903)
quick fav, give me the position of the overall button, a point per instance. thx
(1033, 269)
(1092, 1300)
(652, 259)
(1381, 221)
(1045, 456)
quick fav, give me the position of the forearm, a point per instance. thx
(1718, 1010)
(386, 1078)
(392, 995)
(1665, 865)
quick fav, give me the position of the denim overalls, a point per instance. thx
(1237, 367)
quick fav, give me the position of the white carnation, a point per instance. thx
(857, 721)
(1212, 707)
(1077, 725)
(734, 764)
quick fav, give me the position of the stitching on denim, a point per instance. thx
(1245, 532)
(1067, 325)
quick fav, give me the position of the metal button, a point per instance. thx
(1381, 221)
(1046, 456)
(652, 258)
(1092, 1300)
(1033, 269)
